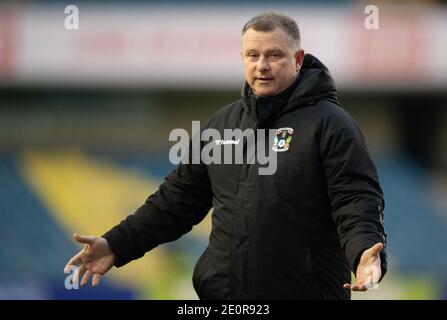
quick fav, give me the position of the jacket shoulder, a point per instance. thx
(230, 112)
(332, 115)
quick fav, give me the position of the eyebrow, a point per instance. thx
(268, 50)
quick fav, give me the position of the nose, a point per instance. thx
(263, 64)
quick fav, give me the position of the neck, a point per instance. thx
(267, 107)
(283, 95)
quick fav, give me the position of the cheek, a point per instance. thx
(285, 71)
(248, 72)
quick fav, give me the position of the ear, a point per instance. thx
(299, 58)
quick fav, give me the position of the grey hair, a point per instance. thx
(269, 21)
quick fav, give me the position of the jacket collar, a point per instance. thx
(314, 83)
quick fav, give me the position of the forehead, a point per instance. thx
(261, 40)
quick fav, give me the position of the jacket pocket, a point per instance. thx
(208, 282)
(198, 272)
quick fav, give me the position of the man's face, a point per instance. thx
(271, 63)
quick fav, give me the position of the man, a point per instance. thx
(295, 234)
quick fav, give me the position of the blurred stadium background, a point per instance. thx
(85, 116)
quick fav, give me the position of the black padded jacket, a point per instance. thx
(295, 234)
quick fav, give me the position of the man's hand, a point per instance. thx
(368, 271)
(93, 261)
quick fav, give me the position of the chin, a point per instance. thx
(265, 92)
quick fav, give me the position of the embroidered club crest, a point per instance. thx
(282, 139)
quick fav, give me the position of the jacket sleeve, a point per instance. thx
(181, 202)
(353, 187)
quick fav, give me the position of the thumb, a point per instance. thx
(375, 249)
(83, 239)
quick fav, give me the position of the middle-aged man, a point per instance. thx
(294, 234)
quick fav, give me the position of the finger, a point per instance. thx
(73, 262)
(373, 283)
(359, 287)
(85, 278)
(373, 278)
(79, 272)
(362, 288)
(83, 239)
(96, 279)
(375, 249)
(376, 274)
(352, 287)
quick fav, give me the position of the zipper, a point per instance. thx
(252, 218)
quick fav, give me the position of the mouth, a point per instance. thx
(263, 79)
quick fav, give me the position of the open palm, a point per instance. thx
(369, 270)
(93, 261)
